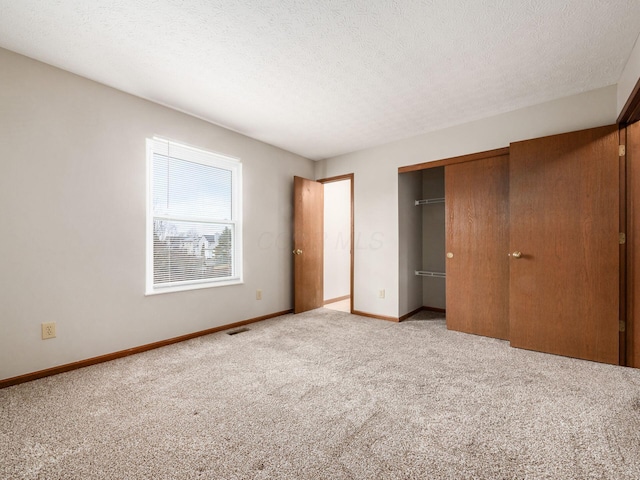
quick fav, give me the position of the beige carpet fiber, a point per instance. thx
(327, 395)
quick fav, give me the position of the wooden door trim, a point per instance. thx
(624, 199)
(632, 225)
(453, 160)
(339, 178)
(631, 111)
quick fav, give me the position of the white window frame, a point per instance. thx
(203, 157)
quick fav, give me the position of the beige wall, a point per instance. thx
(72, 249)
(376, 180)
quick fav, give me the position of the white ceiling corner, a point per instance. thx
(323, 78)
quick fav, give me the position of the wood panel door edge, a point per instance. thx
(630, 113)
(631, 136)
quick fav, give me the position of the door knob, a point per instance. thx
(515, 254)
(450, 255)
(297, 252)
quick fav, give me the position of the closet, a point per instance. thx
(422, 239)
(531, 243)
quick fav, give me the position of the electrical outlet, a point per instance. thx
(48, 330)
(381, 293)
(258, 294)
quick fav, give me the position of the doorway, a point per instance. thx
(338, 243)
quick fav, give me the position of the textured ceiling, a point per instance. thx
(326, 77)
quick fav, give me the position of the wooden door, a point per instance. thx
(308, 219)
(633, 244)
(477, 241)
(564, 213)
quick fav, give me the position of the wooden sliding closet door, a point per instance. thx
(564, 264)
(477, 241)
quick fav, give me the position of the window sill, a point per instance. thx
(193, 286)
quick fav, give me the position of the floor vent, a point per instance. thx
(240, 330)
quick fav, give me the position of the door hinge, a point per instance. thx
(622, 239)
(622, 326)
(622, 150)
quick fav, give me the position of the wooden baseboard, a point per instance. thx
(396, 319)
(411, 314)
(337, 299)
(8, 382)
(435, 309)
(379, 317)
(418, 310)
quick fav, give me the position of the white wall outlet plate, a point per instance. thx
(48, 330)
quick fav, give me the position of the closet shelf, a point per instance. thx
(429, 201)
(424, 273)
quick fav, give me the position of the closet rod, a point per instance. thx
(429, 201)
(424, 273)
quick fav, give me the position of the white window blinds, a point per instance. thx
(194, 228)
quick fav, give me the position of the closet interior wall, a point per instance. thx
(433, 239)
(410, 242)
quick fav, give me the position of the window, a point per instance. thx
(194, 218)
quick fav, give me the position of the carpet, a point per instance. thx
(328, 395)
